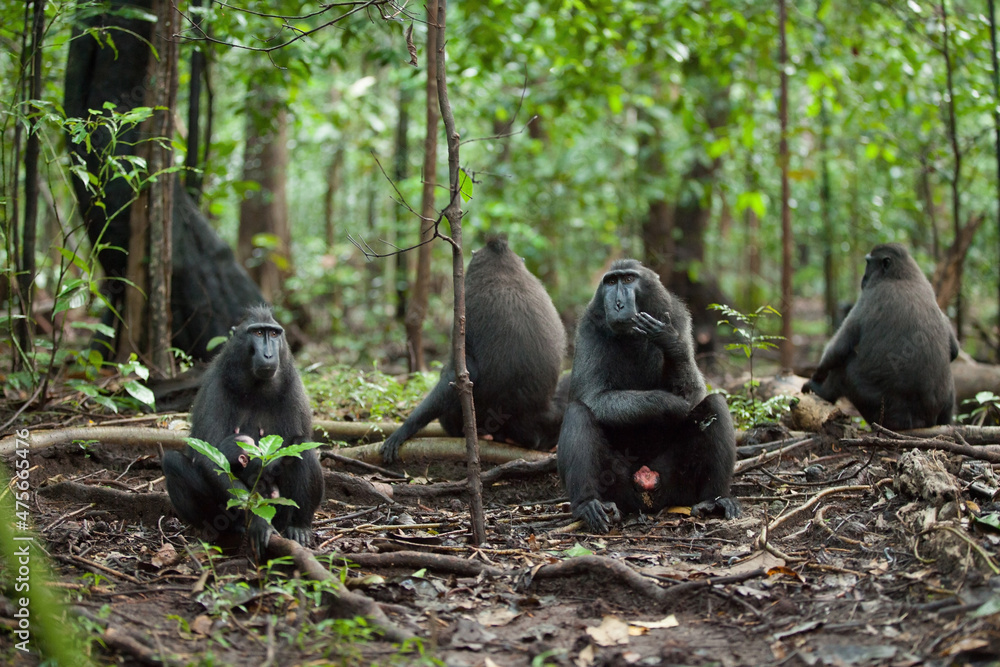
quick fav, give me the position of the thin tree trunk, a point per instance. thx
(32, 150)
(334, 178)
(147, 308)
(996, 128)
(453, 212)
(787, 295)
(829, 235)
(192, 162)
(956, 205)
(161, 212)
(265, 211)
(416, 308)
(401, 170)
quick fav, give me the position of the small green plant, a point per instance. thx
(138, 394)
(269, 449)
(985, 406)
(746, 327)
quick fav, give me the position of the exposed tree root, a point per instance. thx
(345, 603)
(608, 569)
(146, 508)
(511, 470)
(369, 431)
(415, 560)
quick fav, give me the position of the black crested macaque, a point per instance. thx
(514, 347)
(639, 433)
(251, 388)
(892, 355)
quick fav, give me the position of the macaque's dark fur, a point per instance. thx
(637, 398)
(251, 388)
(514, 347)
(892, 355)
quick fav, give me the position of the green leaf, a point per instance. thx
(465, 186)
(98, 327)
(296, 450)
(106, 401)
(992, 520)
(269, 446)
(265, 512)
(213, 454)
(140, 393)
(577, 550)
(752, 200)
(216, 342)
(988, 608)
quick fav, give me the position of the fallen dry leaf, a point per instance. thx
(586, 657)
(611, 632)
(666, 622)
(202, 625)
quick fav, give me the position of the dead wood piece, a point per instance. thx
(356, 490)
(345, 603)
(925, 476)
(146, 508)
(110, 435)
(415, 560)
(368, 431)
(503, 472)
(809, 412)
(443, 449)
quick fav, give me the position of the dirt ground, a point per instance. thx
(844, 555)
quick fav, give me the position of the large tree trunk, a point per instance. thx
(416, 308)
(673, 235)
(208, 289)
(264, 244)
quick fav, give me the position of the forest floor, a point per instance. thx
(844, 555)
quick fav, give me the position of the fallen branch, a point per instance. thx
(108, 435)
(344, 603)
(990, 453)
(749, 464)
(443, 449)
(974, 435)
(762, 539)
(416, 560)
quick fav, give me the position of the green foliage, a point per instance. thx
(985, 407)
(746, 409)
(269, 449)
(366, 395)
(21, 552)
(139, 395)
